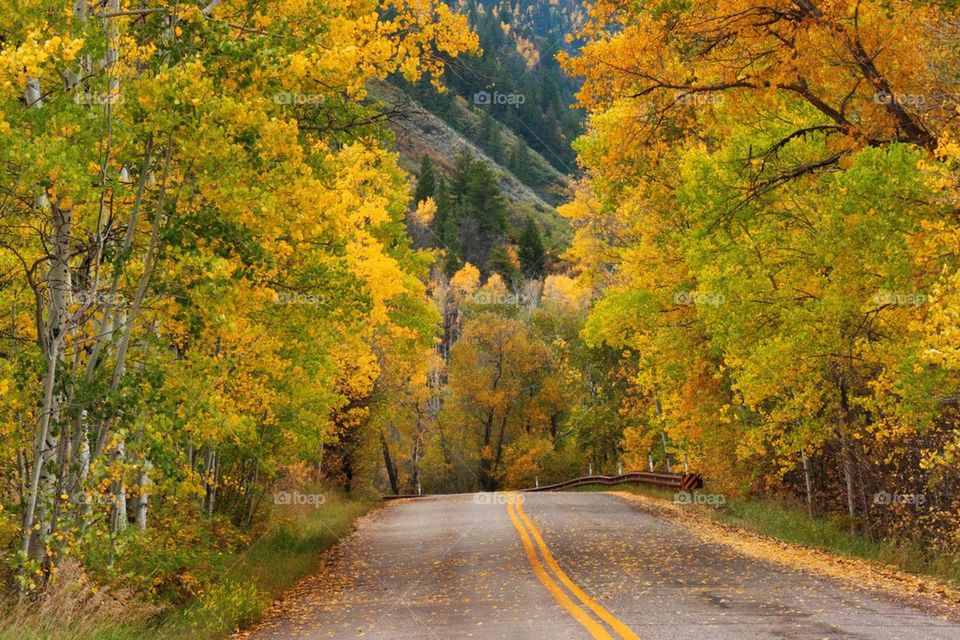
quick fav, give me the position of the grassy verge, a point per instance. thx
(289, 549)
(791, 523)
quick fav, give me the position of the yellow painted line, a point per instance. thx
(625, 632)
(562, 599)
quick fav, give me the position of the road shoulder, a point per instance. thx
(918, 592)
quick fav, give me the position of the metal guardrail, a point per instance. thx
(682, 481)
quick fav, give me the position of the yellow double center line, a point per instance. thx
(523, 524)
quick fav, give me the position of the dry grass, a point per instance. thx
(73, 605)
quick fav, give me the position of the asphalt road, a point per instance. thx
(569, 565)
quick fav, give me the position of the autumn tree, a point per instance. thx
(202, 239)
(769, 205)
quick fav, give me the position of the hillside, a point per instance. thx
(507, 106)
(515, 82)
(420, 132)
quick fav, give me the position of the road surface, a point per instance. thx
(568, 565)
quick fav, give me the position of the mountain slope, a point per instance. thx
(420, 132)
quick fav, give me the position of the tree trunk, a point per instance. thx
(51, 340)
(107, 325)
(143, 498)
(252, 499)
(846, 456)
(118, 520)
(129, 322)
(211, 470)
(666, 453)
(847, 459)
(418, 435)
(388, 461)
(808, 481)
(499, 457)
(486, 477)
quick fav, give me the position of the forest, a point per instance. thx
(218, 280)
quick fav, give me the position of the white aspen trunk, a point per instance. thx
(83, 470)
(808, 480)
(666, 453)
(47, 489)
(129, 321)
(144, 496)
(208, 10)
(119, 523)
(847, 460)
(846, 455)
(107, 324)
(32, 491)
(213, 473)
(148, 263)
(58, 278)
(252, 501)
(207, 483)
(113, 33)
(32, 94)
(72, 78)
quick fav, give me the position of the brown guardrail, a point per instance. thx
(682, 481)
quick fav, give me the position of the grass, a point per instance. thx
(289, 550)
(791, 523)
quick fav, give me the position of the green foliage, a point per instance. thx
(503, 263)
(519, 59)
(426, 180)
(787, 280)
(533, 256)
(471, 214)
(223, 578)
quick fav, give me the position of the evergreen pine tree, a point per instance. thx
(426, 180)
(478, 207)
(503, 263)
(520, 163)
(533, 257)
